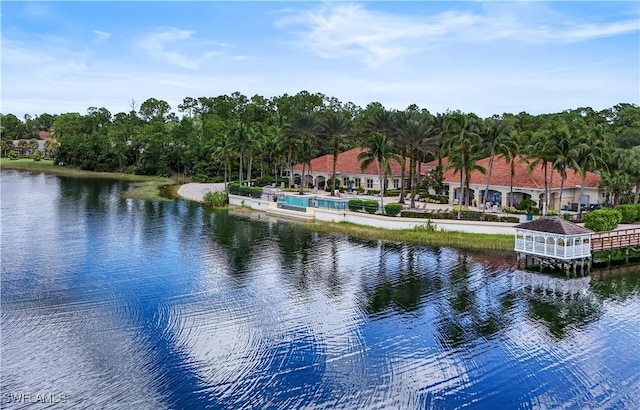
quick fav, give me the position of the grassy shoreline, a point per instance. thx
(461, 240)
(144, 187)
(150, 188)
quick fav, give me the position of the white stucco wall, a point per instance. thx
(377, 221)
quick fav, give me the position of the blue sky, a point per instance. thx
(482, 57)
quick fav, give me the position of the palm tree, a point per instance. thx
(541, 151)
(616, 178)
(419, 135)
(224, 152)
(241, 138)
(461, 143)
(379, 149)
(496, 140)
(566, 154)
(304, 126)
(272, 148)
(305, 152)
(591, 157)
(336, 127)
(385, 122)
(510, 152)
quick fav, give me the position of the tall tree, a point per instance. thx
(305, 126)
(420, 136)
(11, 127)
(224, 152)
(378, 148)
(566, 154)
(541, 151)
(496, 140)
(591, 156)
(241, 137)
(461, 143)
(336, 127)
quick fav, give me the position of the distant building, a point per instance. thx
(526, 185)
(43, 135)
(349, 172)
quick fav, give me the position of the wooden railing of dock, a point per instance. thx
(618, 239)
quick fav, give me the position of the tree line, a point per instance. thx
(234, 137)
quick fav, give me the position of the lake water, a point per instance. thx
(116, 303)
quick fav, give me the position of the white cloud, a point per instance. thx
(344, 30)
(156, 44)
(101, 35)
(348, 30)
(163, 43)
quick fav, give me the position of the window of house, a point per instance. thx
(358, 182)
(396, 183)
(369, 183)
(345, 181)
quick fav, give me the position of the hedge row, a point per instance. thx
(464, 215)
(370, 205)
(266, 181)
(630, 213)
(244, 190)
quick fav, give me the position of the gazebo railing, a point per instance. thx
(583, 249)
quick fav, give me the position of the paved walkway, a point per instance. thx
(195, 191)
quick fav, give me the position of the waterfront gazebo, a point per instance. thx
(554, 242)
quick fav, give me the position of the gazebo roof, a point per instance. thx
(555, 225)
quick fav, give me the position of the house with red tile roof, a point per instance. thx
(349, 172)
(527, 184)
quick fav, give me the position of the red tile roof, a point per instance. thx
(43, 135)
(348, 164)
(501, 175)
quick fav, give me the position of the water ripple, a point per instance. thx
(131, 304)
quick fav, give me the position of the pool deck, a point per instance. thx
(196, 191)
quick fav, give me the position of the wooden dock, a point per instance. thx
(618, 239)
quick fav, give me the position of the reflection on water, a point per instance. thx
(119, 303)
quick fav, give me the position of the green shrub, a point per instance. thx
(392, 209)
(215, 199)
(328, 186)
(14, 155)
(37, 156)
(427, 227)
(268, 180)
(245, 190)
(413, 214)
(264, 181)
(256, 192)
(355, 205)
(234, 188)
(437, 199)
(551, 212)
(371, 206)
(392, 192)
(629, 213)
(510, 219)
(527, 205)
(602, 219)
